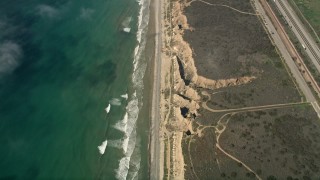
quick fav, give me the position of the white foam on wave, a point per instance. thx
(118, 143)
(115, 102)
(135, 63)
(124, 164)
(139, 68)
(127, 124)
(129, 141)
(10, 54)
(143, 19)
(122, 172)
(107, 109)
(86, 13)
(125, 96)
(102, 147)
(135, 161)
(47, 11)
(125, 145)
(133, 111)
(126, 24)
(122, 125)
(127, 30)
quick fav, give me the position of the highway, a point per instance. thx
(300, 31)
(282, 46)
(156, 166)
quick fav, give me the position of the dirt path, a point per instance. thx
(222, 123)
(218, 132)
(252, 108)
(226, 6)
(220, 127)
(190, 158)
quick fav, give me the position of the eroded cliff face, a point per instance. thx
(186, 79)
(184, 53)
(183, 103)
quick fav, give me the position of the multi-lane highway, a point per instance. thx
(280, 40)
(304, 37)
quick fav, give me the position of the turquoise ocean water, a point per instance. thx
(71, 88)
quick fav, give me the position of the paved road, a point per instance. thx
(300, 31)
(155, 165)
(287, 57)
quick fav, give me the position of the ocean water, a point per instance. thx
(71, 89)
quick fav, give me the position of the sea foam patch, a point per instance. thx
(127, 30)
(118, 143)
(125, 96)
(107, 109)
(126, 24)
(102, 147)
(135, 161)
(10, 53)
(122, 172)
(47, 11)
(121, 126)
(129, 143)
(86, 13)
(115, 102)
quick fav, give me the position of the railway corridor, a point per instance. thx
(305, 39)
(281, 40)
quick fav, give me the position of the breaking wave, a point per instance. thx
(122, 125)
(102, 147)
(126, 24)
(122, 171)
(118, 143)
(129, 164)
(125, 96)
(107, 109)
(135, 161)
(115, 102)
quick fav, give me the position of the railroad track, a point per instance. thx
(305, 40)
(289, 45)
